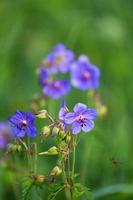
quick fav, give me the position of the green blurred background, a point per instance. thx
(101, 29)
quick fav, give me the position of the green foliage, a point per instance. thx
(79, 191)
(27, 185)
(54, 190)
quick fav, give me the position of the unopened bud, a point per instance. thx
(55, 131)
(62, 134)
(42, 114)
(68, 138)
(14, 147)
(19, 148)
(102, 110)
(45, 131)
(52, 151)
(40, 179)
(56, 171)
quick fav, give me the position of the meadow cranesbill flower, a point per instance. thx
(57, 88)
(44, 77)
(5, 134)
(81, 118)
(59, 60)
(23, 123)
(84, 75)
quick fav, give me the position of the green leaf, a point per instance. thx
(80, 190)
(27, 186)
(76, 175)
(54, 191)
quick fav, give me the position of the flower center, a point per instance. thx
(80, 117)
(24, 122)
(59, 59)
(81, 120)
(22, 125)
(86, 75)
(56, 85)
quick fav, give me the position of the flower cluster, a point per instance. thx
(58, 61)
(81, 119)
(84, 75)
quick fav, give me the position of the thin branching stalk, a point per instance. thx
(74, 157)
(35, 158)
(67, 190)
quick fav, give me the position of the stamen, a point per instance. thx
(24, 122)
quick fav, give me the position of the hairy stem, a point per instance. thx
(67, 190)
(74, 157)
(35, 158)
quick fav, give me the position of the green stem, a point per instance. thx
(67, 190)
(74, 157)
(52, 120)
(23, 143)
(27, 150)
(68, 162)
(85, 159)
(29, 156)
(35, 158)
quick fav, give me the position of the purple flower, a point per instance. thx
(84, 75)
(81, 118)
(23, 123)
(44, 77)
(5, 134)
(59, 60)
(57, 88)
(63, 111)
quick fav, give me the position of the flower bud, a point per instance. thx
(56, 171)
(52, 151)
(45, 131)
(68, 138)
(102, 111)
(14, 147)
(40, 179)
(55, 131)
(62, 134)
(42, 114)
(19, 148)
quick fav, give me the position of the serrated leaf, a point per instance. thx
(54, 191)
(80, 190)
(27, 186)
